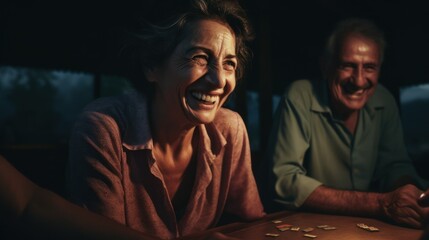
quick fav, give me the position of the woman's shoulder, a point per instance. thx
(228, 122)
(120, 109)
(121, 101)
(227, 116)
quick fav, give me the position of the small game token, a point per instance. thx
(309, 229)
(295, 229)
(362, 225)
(373, 229)
(277, 221)
(322, 226)
(310, 236)
(272, 234)
(284, 225)
(283, 229)
(368, 228)
(329, 228)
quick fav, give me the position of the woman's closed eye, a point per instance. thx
(230, 65)
(201, 60)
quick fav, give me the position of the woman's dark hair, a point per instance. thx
(157, 37)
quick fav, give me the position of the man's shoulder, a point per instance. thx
(382, 97)
(300, 85)
(302, 91)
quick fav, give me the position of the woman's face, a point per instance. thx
(195, 81)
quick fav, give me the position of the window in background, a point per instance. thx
(415, 118)
(40, 106)
(114, 85)
(252, 121)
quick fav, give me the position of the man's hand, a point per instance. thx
(402, 206)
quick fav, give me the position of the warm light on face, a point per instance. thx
(200, 74)
(356, 75)
(363, 48)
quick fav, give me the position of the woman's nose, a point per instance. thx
(217, 77)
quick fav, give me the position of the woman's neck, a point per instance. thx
(169, 132)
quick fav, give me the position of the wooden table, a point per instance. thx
(346, 228)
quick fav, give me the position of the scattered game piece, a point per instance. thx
(309, 229)
(368, 228)
(323, 226)
(272, 234)
(284, 225)
(295, 229)
(362, 225)
(283, 229)
(373, 229)
(329, 228)
(276, 221)
(310, 236)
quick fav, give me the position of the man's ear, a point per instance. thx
(327, 67)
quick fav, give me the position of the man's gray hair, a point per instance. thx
(353, 26)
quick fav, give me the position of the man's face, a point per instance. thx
(356, 74)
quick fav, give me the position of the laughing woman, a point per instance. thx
(168, 160)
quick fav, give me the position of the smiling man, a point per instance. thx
(337, 144)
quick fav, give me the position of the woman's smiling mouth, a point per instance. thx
(206, 98)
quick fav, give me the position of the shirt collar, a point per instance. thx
(138, 134)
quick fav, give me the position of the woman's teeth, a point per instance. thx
(205, 97)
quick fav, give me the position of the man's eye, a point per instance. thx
(200, 60)
(345, 66)
(371, 68)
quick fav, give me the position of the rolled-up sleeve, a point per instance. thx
(290, 142)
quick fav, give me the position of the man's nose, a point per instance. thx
(359, 79)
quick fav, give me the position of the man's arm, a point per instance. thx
(399, 205)
(289, 142)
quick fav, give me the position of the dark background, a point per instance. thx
(77, 36)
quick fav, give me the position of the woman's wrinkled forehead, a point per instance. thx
(195, 25)
(210, 33)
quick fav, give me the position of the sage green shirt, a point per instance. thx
(309, 147)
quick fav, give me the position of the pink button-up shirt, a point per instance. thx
(112, 171)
